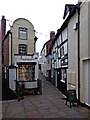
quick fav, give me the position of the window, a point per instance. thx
(26, 72)
(64, 35)
(22, 49)
(62, 51)
(23, 33)
(63, 75)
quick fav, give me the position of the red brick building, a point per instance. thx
(4, 57)
(48, 43)
(45, 53)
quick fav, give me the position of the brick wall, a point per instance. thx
(52, 34)
(6, 51)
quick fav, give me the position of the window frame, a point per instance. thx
(26, 73)
(24, 30)
(23, 45)
(62, 51)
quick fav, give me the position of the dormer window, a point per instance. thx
(22, 33)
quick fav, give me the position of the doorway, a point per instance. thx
(62, 80)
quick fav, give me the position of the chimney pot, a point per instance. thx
(3, 17)
(52, 34)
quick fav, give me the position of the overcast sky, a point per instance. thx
(45, 15)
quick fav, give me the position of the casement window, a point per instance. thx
(64, 34)
(60, 39)
(59, 52)
(62, 51)
(65, 48)
(22, 49)
(26, 72)
(22, 33)
(63, 75)
(56, 54)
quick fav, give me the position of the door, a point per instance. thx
(58, 79)
(62, 80)
(49, 75)
(87, 82)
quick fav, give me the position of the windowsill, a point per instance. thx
(63, 81)
(28, 81)
(22, 39)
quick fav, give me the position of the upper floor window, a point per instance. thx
(62, 51)
(64, 34)
(22, 33)
(22, 49)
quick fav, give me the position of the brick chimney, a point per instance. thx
(52, 34)
(3, 27)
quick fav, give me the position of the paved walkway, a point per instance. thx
(48, 105)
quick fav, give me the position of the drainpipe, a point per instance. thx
(11, 46)
(78, 12)
(35, 39)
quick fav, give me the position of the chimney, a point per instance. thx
(3, 27)
(52, 34)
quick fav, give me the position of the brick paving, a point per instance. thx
(48, 105)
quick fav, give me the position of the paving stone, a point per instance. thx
(75, 116)
(51, 104)
(55, 115)
(33, 114)
(53, 110)
(28, 108)
(18, 115)
(44, 111)
(62, 114)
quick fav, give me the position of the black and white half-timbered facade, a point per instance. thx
(59, 51)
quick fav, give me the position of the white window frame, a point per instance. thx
(22, 33)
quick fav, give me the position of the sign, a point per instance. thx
(50, 56)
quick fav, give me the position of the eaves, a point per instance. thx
(64, 25)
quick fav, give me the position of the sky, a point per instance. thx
(45, 15)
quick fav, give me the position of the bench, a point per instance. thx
(71, 97)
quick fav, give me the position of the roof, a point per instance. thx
(7, 34)
(72, 9)
(68, 8)
(24, 20)
(44, 45)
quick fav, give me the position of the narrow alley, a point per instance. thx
(50, 104)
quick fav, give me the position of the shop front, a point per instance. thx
(26, 72)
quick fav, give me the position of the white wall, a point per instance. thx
(21, 22)
(12, 78)
(87, 82)
(72, 73)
